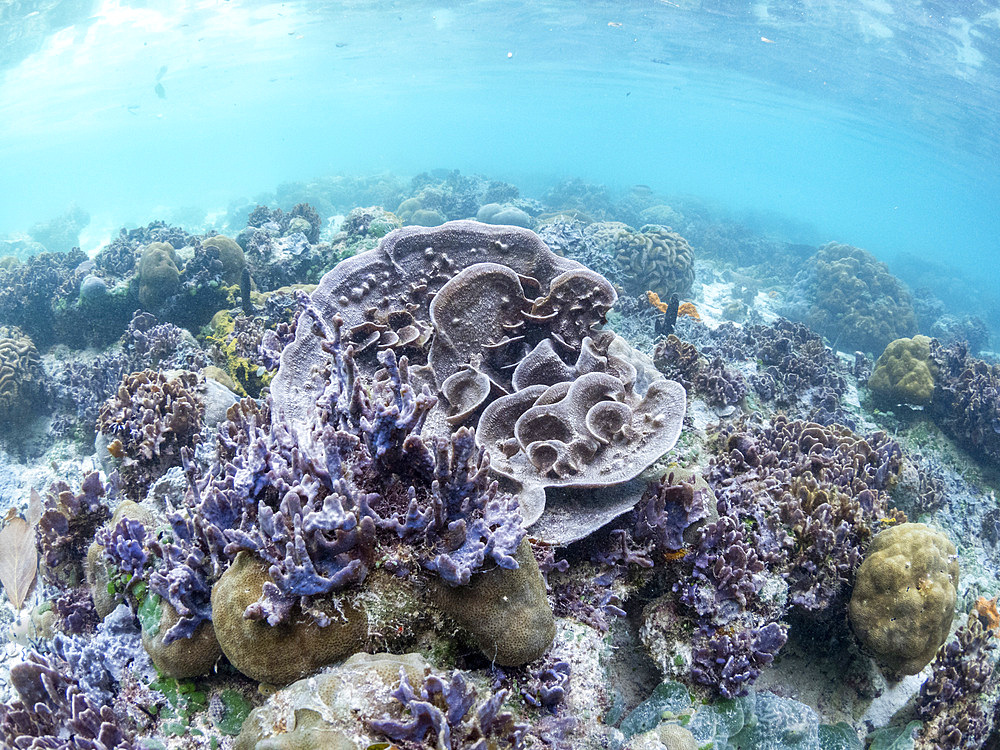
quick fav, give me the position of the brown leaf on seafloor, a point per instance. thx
(18, 560)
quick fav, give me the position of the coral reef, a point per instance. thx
(794, 369)
(948, 701)
(52, 711)
(854, 300)
(493, 339)
(67, 527)
(148, 422)
(904, 598)
(33, 292)
(652, 258)
(966, 401)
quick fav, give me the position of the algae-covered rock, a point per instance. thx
(322, 711)
(159, 274)
(904, 597)
(506, 611)
(281, 653)
(185, 657)
(905, 372)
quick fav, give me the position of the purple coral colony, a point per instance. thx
(482, 471)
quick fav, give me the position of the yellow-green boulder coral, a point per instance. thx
(159, 274)
(231, 256)
(904, 597)
(185, 657)
(904, 374)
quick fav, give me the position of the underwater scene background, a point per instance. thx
(499, 375)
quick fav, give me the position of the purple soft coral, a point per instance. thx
(124, 545)
(731, 663)
(443, 708)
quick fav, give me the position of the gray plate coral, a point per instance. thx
(515, 347)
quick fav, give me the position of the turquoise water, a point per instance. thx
(872, 123)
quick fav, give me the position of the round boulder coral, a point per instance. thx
(904, 374)
(281, 653)
(506, 611)
(159, 274)
(20, 373)
(325, 707)
(231, 256)
(904, 597)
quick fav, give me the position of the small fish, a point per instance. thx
(87, 266)
(160, 91)
(766, 40)
(340, 45)
(614, 24)
(659, 61)
(133, 109)
(160, 73)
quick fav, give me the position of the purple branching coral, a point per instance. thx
(53, 712)
(813, 497)
(721, 386)
(948, 701)
(731, 663)
(79, 388)
(666, 511)
(322, 506)
(795, 369)
(548, 686)
(448, 711)
(966, 399)
(124, 546)
(66, 528)
(149, 421)
(726, 573)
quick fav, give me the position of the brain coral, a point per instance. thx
(20, 373)
(904, 597)
(905, 372)
(652, 259)
(855, 301)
